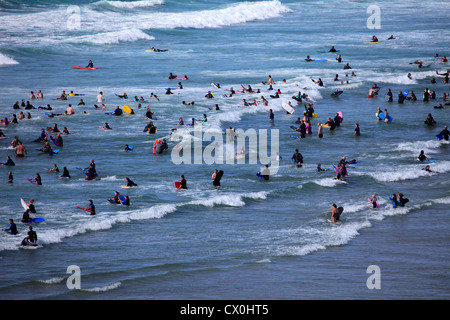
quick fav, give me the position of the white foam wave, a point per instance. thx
(114, 37)
(328, 182)
(109, 287)
(409, 172)
(133, 4)
(53, 280)
(5, 60)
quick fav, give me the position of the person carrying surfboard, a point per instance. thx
(334, 213)
(183, 182)
(445, 133)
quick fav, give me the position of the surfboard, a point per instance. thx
(370, 200)
(218, 177)
(323, 51)
(320, 60)
(125, 186)
(314, 114)
(85, 209)
(54, 141)
(79, 67)
(259, 175)
(372, 42)
(122, 199)
(37, 220)
(336, 93)
(177, 184)
(289, 109)
(126, 109)
(24, 204)
(214, 85)
(29, 180)
(380, 115)
(326, 126)
(439, 136)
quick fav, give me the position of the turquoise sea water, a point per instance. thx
(250, 238)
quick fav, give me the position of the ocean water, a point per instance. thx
(250, 238)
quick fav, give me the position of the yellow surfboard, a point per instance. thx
(314, 114)
(126, 108)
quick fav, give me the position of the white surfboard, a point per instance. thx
(288, 108)
(24, 204)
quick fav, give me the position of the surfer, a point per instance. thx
(9, 162)
(10, 177)
(209, 95)
(183, 182)
(271, 115)
(347, 66)
(20, 150)
(357, 130)
(115, 199)
(422, 156)
(91, 207)
(117, 111)
(266, 172)
(318, 82)
(374, 201)
(339, 58)
(430, 120)
(150, 128)
(445, 133)
(269, 80)
(374, 39)
(297, 157)
(65, 173)
(391, 37)
(26, 216)
(334, 213)
(127, 201)
(308, 59)
(90, 64)
(427, 169)
(320, 169)
(320, 131)
(12, 227)
(168, 91)
(37, 179)
(216, 178)
(172, 76)
(130, 183)
(337, 120)
(332, 49)
(100, 97)
(159, 50)
(127, 148)
(107, 126)
(63, 96)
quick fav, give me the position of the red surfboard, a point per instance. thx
(177, 184)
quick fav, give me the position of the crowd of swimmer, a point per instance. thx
(303, 127)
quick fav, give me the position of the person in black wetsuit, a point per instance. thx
(183, 182)
(422, 156)
(65, 173)
(12, 227)
(297, 158)
(26, 216)
(337, 120)
(445, 133)
(9, 162)
(90, 64)
(430, 120)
